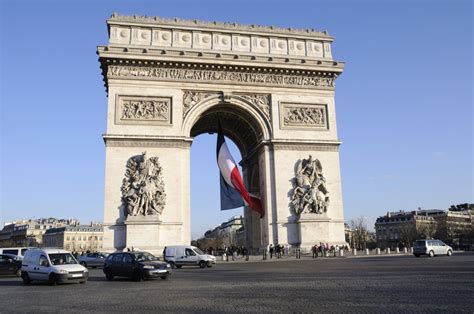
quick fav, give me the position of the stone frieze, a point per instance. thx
(221, 76)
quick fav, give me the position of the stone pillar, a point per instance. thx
(367, 252)
(397, 250)
(388, 250)
(405, 250)
(377, 251)
(354, 252)
(341, 253)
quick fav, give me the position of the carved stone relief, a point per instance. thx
(309, 193)
(221, 76)
(261, 101)
(143, 110)
(191, 98)
(143, 188)
(303, 115)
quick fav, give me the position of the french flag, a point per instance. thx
(233, 192)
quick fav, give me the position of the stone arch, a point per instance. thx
(235, 105)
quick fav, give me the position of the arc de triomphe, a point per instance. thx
(272, 89)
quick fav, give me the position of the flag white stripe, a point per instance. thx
(226, 164)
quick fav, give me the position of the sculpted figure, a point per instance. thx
(309, 194)
(143, 191)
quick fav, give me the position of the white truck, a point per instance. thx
(181, 255)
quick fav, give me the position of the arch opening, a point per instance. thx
(242, 128)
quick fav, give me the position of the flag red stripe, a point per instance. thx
(238, 183)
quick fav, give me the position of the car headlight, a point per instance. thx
(86, 270)
(168, 266)
(148, 267)
(61, 271)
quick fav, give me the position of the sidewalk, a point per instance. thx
(259, 258)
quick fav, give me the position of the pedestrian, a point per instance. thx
(245, 252)
(277, 251)
(271, 251)
(314, 250)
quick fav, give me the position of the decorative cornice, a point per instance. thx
(115, 17)
(307, 146)
(112, 140)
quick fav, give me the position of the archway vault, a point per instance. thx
(244, 124)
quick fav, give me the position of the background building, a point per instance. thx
(453, 226)
(229, 233)
(30, 232)
(75, 238)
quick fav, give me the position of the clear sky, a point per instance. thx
(404, 103)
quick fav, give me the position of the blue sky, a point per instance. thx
(404, 103)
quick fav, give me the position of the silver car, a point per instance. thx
(95, 259)
(431, 248)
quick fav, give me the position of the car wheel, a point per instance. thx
(172, 264)
(108, 275)
(202, 264)
(449, 253)
(137, 275)
(179, 266)
(417, 255)
(26, 278)
(431, 254)
(52, 281)
(83, 264)
(164, 277)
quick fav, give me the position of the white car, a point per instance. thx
(431, 248)
(52, 265)
(181, 255)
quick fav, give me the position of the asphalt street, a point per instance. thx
(369, 284)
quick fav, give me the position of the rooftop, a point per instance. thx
(214, 25)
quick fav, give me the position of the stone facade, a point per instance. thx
(400, 229)
(75, 238)
(273, 91)
(30, 232)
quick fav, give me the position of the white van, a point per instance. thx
(52, 265)
(180, 255)
(18, 251)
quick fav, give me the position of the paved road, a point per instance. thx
(370, 284)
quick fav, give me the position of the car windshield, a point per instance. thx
(199, 251)
(144, 256)
(62, 259)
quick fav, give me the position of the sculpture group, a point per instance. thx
(310, 194)
(143, 188)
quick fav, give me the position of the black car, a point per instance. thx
(135, 265)
(10, 265)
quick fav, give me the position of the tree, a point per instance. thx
(408, 234)
(359, 232)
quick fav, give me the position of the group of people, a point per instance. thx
(278, 250)
(76, 254)
(324, 248)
